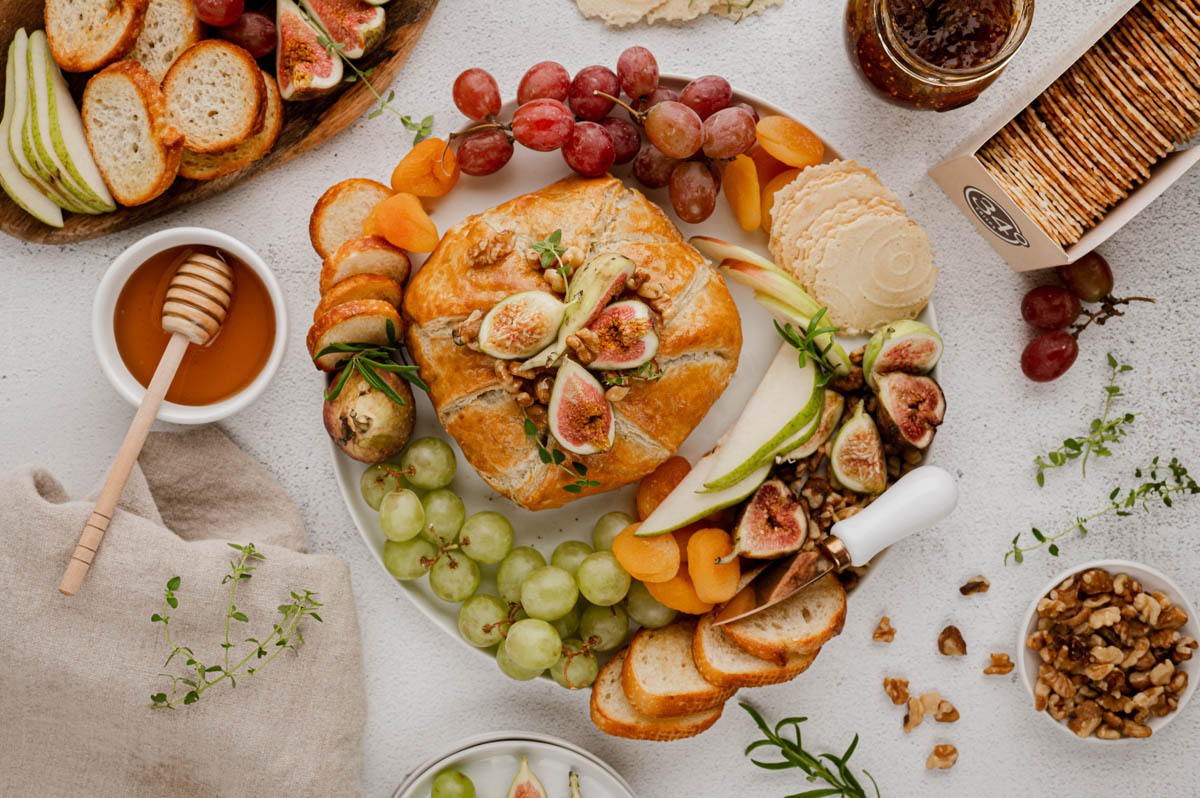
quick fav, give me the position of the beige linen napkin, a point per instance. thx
(76, 674)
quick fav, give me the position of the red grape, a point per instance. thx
(728, 133)
(652, 168)
(693, 191)
(484, 152)
(1048, 356)
(707, 95)
(590, 150)
(661, 94)
(582, 97)
(477, 95)
(1049, 307)
(749, 108)
(626, 138)
(675, 129)
(637, 71)
(219, 12)
(1089, 278)
(542, 125)
(253, 31)
(715, 171)
(547, 79)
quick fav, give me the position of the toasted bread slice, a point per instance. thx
(125, 119)
(91, 34)
(660, 676)
(364, 321)
(360, 286)
(206, 166)
(366, 255)
(725, 665)
(215, 96)
(613, 714)
(171, 27)
(797, 625)
(341, 211)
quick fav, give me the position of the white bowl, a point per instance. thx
(1028, 661)
(104, 338)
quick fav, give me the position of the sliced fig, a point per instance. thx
(525, 784)
(303, 68)
(831, 416)
(857, 458)
(625, 331)
(773, 523)
(907, 346)
(912, 407)
(521, 325)
(581, 419)
(354, 24)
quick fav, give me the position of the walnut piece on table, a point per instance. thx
(942, 758)
(884, 633)
(978, 584)
(897, 690)
(951, 643)
(1001, 664)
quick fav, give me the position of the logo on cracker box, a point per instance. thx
(994, 217)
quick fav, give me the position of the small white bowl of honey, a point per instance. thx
(213, 381)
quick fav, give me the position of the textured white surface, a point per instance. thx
(424, 693)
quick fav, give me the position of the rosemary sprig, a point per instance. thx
(1151, 492)
(285, 635)
(368, 360)
(841, 780)
(422, 129)
(1101, 431)
(805, 342)
(649, 371)
(559, 458)
(551, 251)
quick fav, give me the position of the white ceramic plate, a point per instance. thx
(529, 171)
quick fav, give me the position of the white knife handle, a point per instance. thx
(920, 499)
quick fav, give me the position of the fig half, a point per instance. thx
(907, 346)
(303, 68)
(365, 423)
(581, 419)
(354, 24)
(912, 407)
(521, 325)
(773, 523)
(831, 416)
(857, 459)
(525, 784)
(625, 332)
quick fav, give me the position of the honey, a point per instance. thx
(208, 374)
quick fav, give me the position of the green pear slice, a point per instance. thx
(689, 501)
(25, 192)
(831, 416)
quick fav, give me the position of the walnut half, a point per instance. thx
(1001, 664)
(951, 643)
(884, 633)
(942, 758)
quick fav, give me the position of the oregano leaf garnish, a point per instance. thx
(558, 458)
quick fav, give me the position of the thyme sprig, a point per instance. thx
(1154, 490)
(805, 341)
(839, 777)
(368, 360)
(550, 250)
(558, 458)
(1101, 431)
(649, 371)
(285, 635)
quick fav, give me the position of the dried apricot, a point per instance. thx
(684, 534)
(404, 223)
(653, 559)
(714, 581)
(768, 194)
(742, 190)
(766, 164)
(655, 486)
(679, 594)
(740, 604)
(430, 169)
(790, 142)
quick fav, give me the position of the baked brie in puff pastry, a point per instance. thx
(615, 365)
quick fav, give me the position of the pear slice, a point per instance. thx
(25, 192)
(831, 416)
(689, 502)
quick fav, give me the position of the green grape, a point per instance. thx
(481, 611)
(606, 627)
(510, 668)
(548, 593)
(533, 644)
(432, 463)
(582, 670)
(379, 480)
(601, 579)
(568, 554)
(607, 527)
(645, 610)
(454, 577)
(487, 537)
(401, 515)
(452, 784)
(444, 512)
(519, 563)
(403, 560)
(569, 623)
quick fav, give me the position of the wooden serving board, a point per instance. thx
(305, 125)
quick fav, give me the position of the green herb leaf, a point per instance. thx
(173, 583)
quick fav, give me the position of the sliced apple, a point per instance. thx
(25, 192)
(788, 315)
(689, 501)
(719, 251)
(772, 282)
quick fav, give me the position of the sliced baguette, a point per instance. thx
(360, 286)
(798, 625)
(215, 96)
(660, 676)
(205, 166)
(613, 714)
(366, 255)
(171, 27)
(364, 321)
(341, 211)
(91, 34)
(725, 665)
(124, 117)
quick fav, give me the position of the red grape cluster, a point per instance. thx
(252, 30)
(687, 133)
(1053, 309)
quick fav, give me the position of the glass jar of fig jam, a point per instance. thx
(934, 54)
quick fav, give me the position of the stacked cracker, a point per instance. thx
(619, 13)
(1095, 133)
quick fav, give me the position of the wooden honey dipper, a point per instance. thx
(194, 309)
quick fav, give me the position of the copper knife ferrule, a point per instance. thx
(835, 550)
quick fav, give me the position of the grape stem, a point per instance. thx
(513, 608)
(443, 549)
(639, 116)
(569, 655)
(1109, 308)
